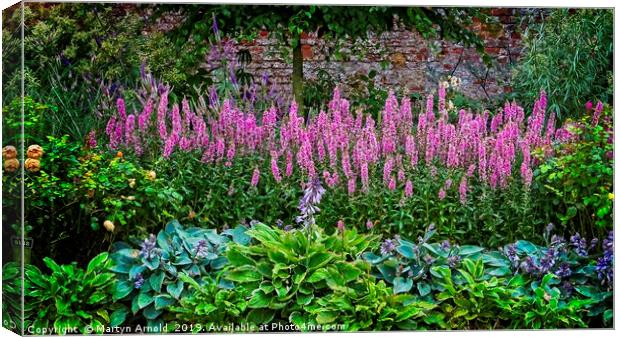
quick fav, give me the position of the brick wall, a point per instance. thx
(410, 62)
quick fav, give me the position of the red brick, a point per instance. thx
(492, 50)
(306, 52)
(501, 11)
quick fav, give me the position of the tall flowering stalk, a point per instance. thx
(350, 149)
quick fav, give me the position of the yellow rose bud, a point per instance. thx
(610, 196)
(34, 151)
(9, 152)
(109, 225)
(11, 165)
(32, 165)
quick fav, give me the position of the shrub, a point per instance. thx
(578, 182)
(569, 54)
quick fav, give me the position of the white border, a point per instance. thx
(453, 3)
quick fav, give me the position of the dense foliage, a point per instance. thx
(569, 54)
(167, 188)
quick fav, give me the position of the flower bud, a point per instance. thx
(109, 225)
(9, 152)
(11, 165)
(151, 175)
(32, 165)
(34, 151)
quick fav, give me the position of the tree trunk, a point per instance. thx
(298, 77)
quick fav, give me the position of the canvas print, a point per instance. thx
(216, 168)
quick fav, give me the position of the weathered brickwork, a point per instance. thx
(413, 63)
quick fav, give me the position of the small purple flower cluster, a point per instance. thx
(201, 250)
(138, 281)
(148, 250)
(308, 203)
(605, 264)
(387, 247)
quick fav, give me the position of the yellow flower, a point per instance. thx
(610, 196)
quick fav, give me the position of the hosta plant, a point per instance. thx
(70, 299)
(289, 271)
(149, 277)
(542, 305)
(468, 297)
(209, 304)
(12, 295)
(370, 305)
(407, 265)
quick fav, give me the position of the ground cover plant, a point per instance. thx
(167, 193)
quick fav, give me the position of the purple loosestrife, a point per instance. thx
(274, 168)
(408, 189)
(442, 194)
(340, 226)
(369, 225)
(161, 115)
(463, 190)
(255, 177)
(91, 139)
(488, 148)
(597, 113)
(145, 116)
(129, 129)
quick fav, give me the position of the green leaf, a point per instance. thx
(144, 300)
(260, 316)
(151, 312)
(121, 290)
(238, 259)
(156, 280)
(97, 262)
(402, 285)
(503, 271)
(318, 275)
(325, 317)
(175, 289)
(244, 274)
(470, 250)
(424, 288)
(259, 300)
(318, 260)
(118, 316)
(163, 301)
(97, 297)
